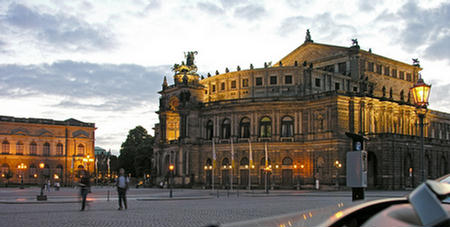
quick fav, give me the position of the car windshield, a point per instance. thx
(446, 180)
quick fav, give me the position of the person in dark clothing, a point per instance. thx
(85, 185)
(122, 186)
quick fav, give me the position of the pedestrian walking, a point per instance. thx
(122, 187)
(85, 185)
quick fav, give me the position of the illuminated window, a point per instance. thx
(19, 148)
(258, 81)
(287, 126)
(5, 147)
(233, 84)
(59, 149)
(80, 150)
(273, 80)
(265, 127)
(288, 79)
(46, 149)
(244, 82)
(33, 148)
(245, 128)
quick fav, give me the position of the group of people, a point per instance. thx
(121, 184)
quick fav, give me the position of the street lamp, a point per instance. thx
(22, 168)
(41, 196)
(171, 168)
(421, 93)
(338, 165)
(267, 171)
(88, 160)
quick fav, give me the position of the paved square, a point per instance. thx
(152, 207)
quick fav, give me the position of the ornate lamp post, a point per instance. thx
(338, 165)
(421, 93)
(22, 169)
(171, 168)
(41, 196)
(88, 160)
(267, 170)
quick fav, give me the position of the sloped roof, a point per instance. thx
(310, 51)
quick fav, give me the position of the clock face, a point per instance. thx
(173, 103)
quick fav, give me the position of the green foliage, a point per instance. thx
(136, 152)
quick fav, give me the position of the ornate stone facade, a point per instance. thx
(301, 107)
(61, 146)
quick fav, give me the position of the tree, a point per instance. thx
(136, 152)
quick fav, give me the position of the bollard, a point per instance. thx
(107, 196)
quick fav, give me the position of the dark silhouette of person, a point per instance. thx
(84, 184)
(122, 187)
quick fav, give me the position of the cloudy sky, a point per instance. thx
(103, 61)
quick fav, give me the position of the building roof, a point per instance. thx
(68, 122)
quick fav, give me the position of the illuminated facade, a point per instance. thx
(61, 148)
(301, 107)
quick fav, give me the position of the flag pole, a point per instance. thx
(250, 166)
(232, 163)
(214, 163)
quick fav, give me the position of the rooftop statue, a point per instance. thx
(355, 42)
(308, 36)
(190, 57)
(189, 67)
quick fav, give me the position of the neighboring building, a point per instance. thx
(103, 164)
(61, 146)
(301, 107)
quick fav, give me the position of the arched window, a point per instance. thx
(226, 129)
(287, 161)
(4, 168)
(33, 148)
(5, 147)
(225, 161)
(46, 149)
(265, 127)
(208, 162)
(263, 162)
(80, 150)
(59, 170)
(244, 126)
(244, 161)
(33, 170)
(287, 126)
(209, 130)
(19, 148)
(59, 149)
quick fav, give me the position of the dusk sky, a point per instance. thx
(104, 61)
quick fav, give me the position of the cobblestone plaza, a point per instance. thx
(152, 207)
